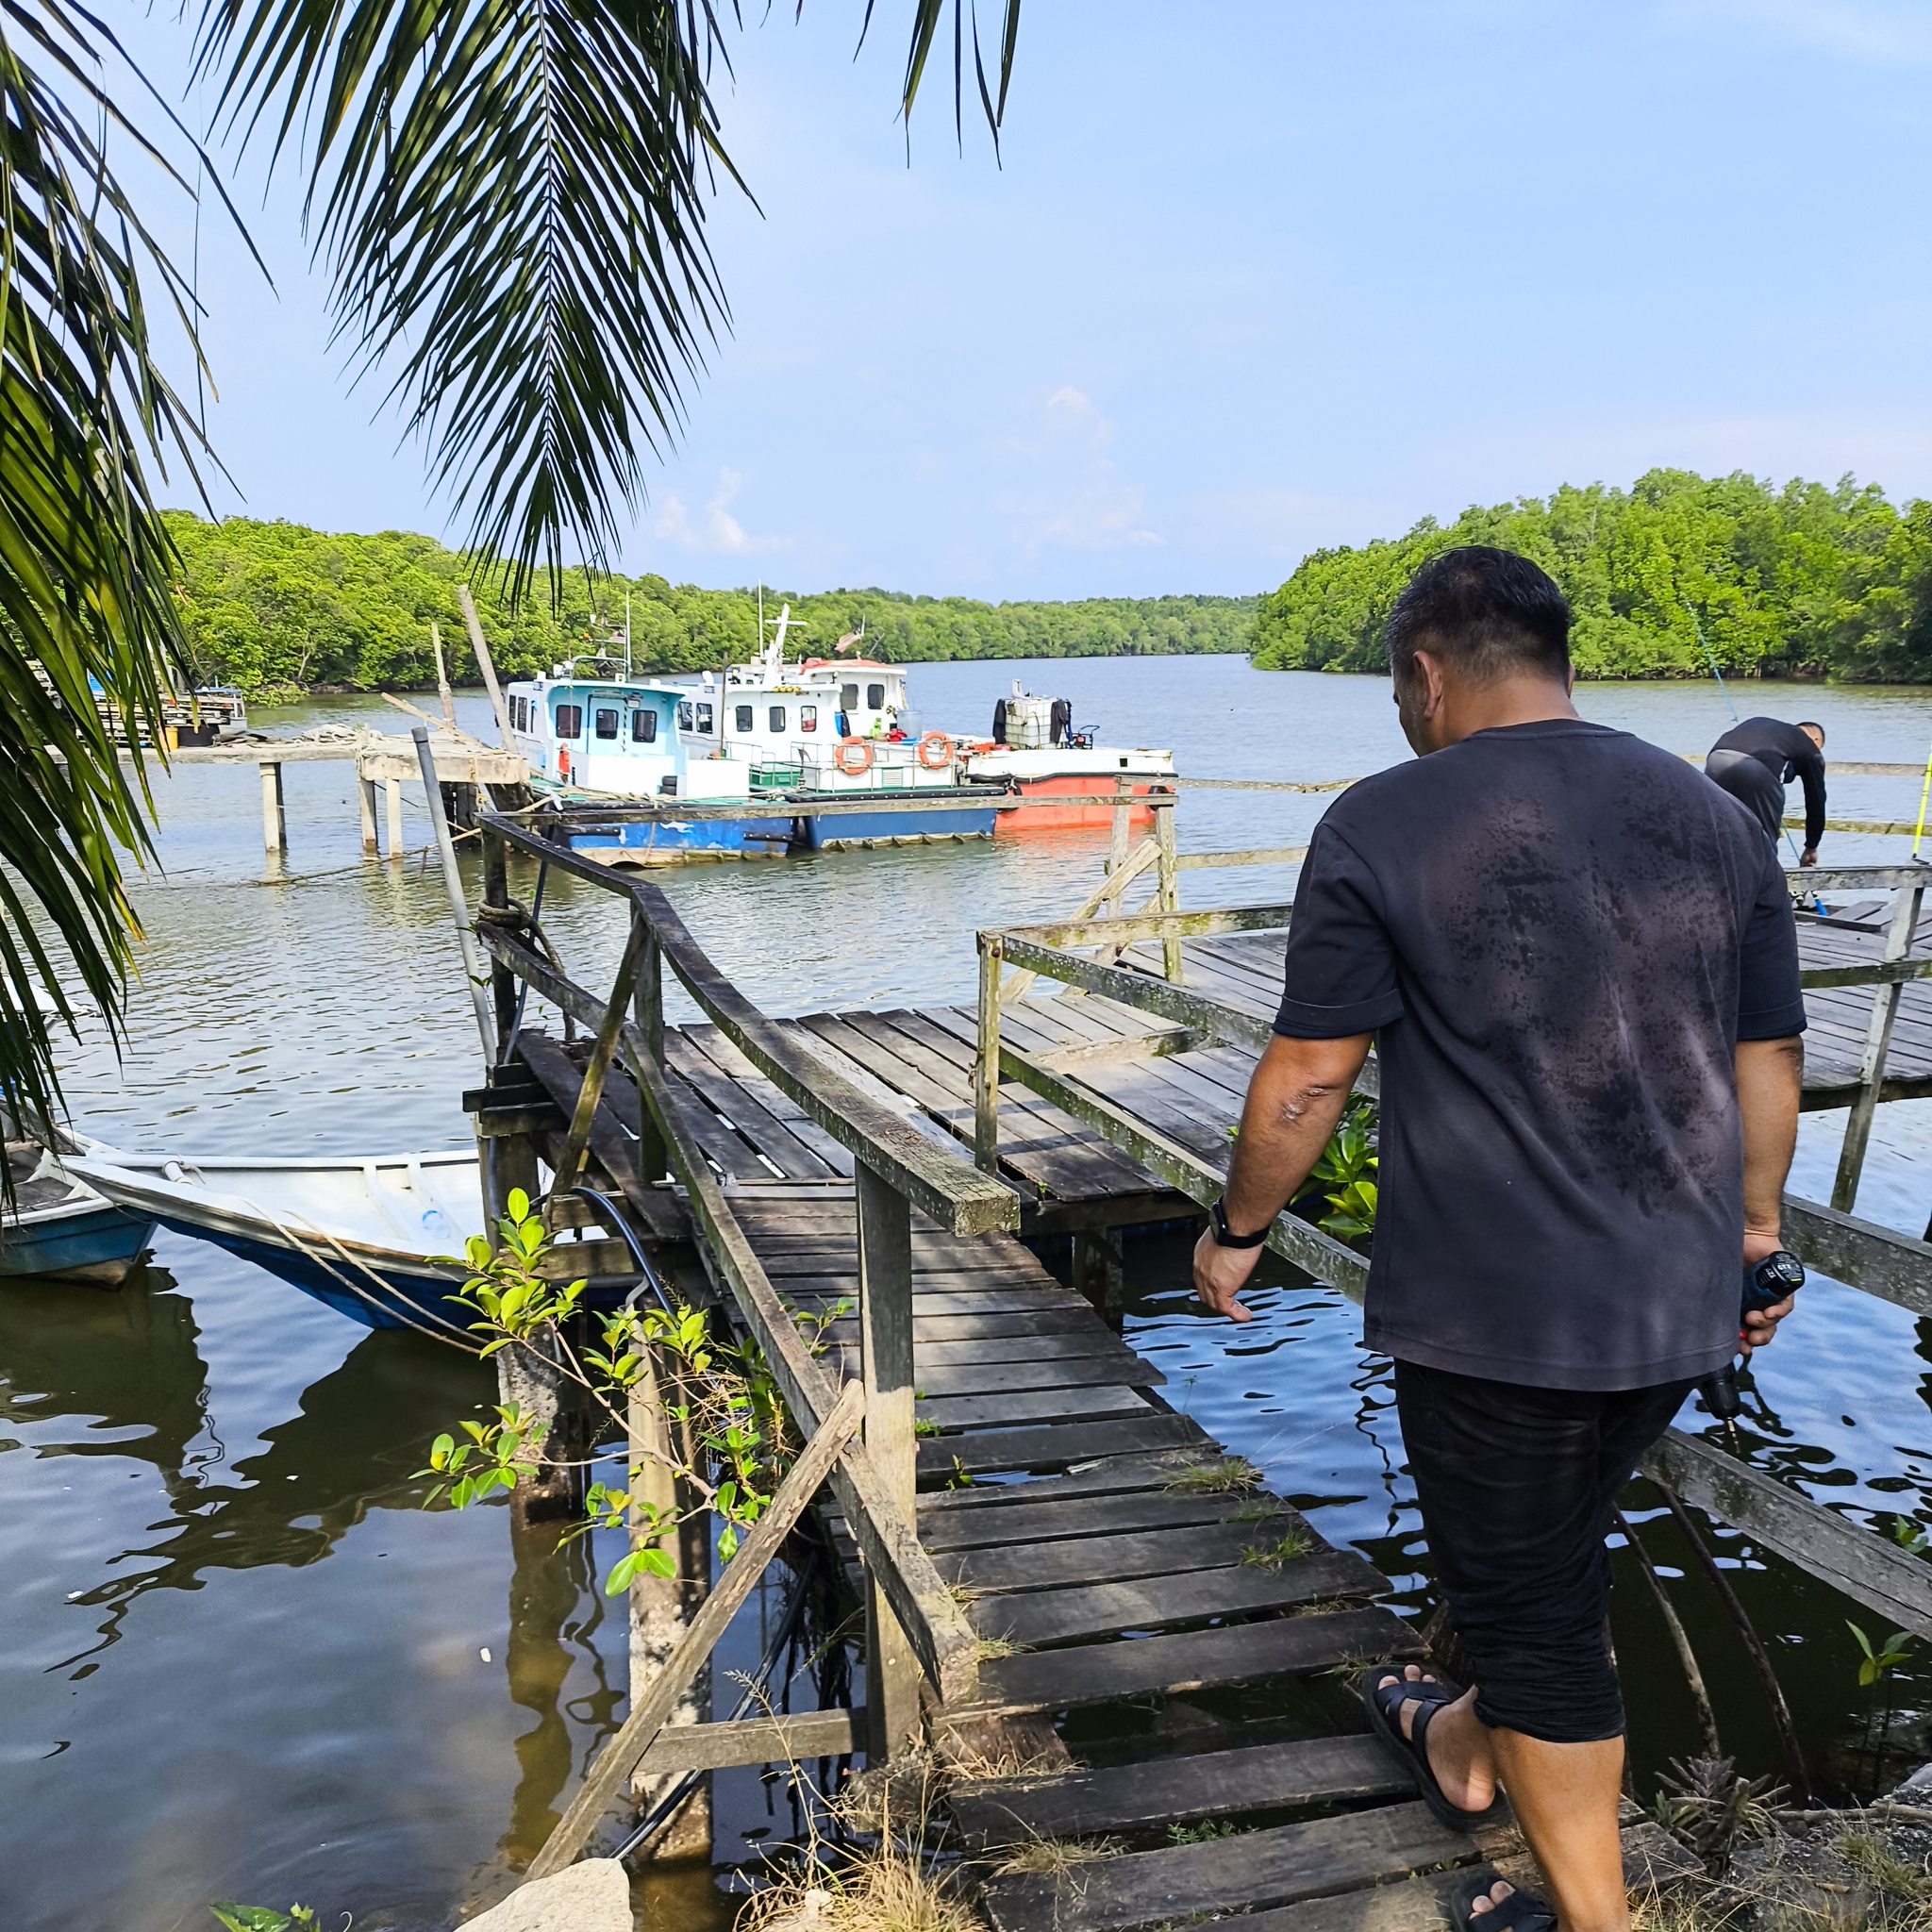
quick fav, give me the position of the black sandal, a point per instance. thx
(1522, 1909)
(1384, 1702)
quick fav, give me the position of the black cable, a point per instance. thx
(757, 1690)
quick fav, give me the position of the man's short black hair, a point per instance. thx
(1805, 724)
(1489, 612)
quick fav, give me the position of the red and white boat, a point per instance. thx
(1034, 751)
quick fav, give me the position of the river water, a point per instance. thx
(207, 1687)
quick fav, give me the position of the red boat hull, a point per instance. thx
(1058, 818)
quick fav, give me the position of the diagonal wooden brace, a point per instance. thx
(603, 1049)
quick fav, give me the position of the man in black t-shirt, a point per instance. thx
(1578, 965)
(1756, 759)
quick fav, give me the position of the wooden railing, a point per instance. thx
(1876, 1259)
(916, 1628)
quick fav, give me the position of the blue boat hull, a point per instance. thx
(99, 1246)
(892, 823)
(673, 841)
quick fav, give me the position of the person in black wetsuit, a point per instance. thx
(1754, 761)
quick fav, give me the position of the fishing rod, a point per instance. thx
(1723, 691)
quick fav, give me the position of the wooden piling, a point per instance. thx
(885, 1334)
(1100, 1272)
(647, 1010)
(393, 789)
(662, 1608)
(365, 799)
(1885, 999)
(274, 822)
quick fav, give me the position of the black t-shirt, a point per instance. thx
(1786, 753)
(1557, 933)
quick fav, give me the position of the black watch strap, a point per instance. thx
(1222, 1238)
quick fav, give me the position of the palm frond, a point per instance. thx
(511, 196)
(86, 564)
(929, 16)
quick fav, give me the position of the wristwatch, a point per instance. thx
(1217, 1222)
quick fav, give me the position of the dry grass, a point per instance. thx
(985, 1649)
(1227, 1475)
(878, 1891)
(1049, 1857)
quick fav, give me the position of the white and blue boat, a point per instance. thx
(59, 1230)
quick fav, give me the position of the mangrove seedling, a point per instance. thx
(262, 1918)
(721, 1394)
(1347, 1167)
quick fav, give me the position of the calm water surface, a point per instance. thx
(240, 1661)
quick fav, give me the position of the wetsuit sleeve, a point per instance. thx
(1810, 769)
(1340, 972)
(1771, 1004)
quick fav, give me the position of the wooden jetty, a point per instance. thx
(1045, 1546)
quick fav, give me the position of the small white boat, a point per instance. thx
(363, 1235)
(59, 1228)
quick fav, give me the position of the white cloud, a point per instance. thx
(1871, 30)
(715, 529)
(1076, 498)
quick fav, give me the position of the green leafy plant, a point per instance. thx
(261, 1918)
(1911, 1535)
(1347, 1168)
(1877, 1664)
(1292, 1543)
(721, 1394)
(1203, 1833)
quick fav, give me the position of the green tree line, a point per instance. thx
(271, 605)
(1798, 582)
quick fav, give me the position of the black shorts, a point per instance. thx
(1753, 784)
(1516, 1487)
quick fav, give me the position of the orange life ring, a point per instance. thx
(935, 751)
(862, 746)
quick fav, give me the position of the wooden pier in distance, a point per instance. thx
(1041, 1539)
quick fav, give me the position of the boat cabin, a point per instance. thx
(616, 736)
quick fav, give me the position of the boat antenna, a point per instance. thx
(626, 633)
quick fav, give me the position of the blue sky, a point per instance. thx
(1257, 276)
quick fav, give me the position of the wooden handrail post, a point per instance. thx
(1112, 907)
(1898, 943)
(503, 982)
(647, 1009)
(986, 1065)
(1167, 886)
(885, 1334)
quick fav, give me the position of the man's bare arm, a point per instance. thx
(1298, 1091)
(1769, 1073)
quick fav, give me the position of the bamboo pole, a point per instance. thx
(453, 883)
(442, 689)
(467, 604)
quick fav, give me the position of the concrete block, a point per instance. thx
(591, 1896)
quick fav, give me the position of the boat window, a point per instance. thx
(848, 697)
(745, 717)
(607, 723)
(777, 716)
(705, 718)
(875, 697)
(643, 728)
(808, 717)
(570, 720)
(524, 714)
(684, 714)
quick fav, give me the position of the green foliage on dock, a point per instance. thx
(269, 603)
(1798, 582)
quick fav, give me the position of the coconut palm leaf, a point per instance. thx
(86, 596)
(511, 196)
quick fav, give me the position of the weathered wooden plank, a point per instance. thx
(1080, 1320)
(1132, 927)
(1131, 989)
(1173, 1791)
(1251, 1870)
(785, 1738)
(1047, 1447)
(1010, 1378)
(1164, 1550)
(1059, 1616)
(743, 1111)
(1019, 1525)
(1164, 1471)
(1878, 1260)
(733, 1066)
(1843, 1553)
(938, 1301)
(1413, 1904)
(980, 1411)
(1083, 1346)
(1193, 1660)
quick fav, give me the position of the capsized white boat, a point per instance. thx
(363, 1235)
